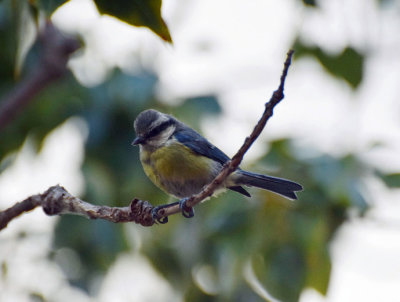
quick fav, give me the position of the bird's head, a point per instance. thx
(153, 128)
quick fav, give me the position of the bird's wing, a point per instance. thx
(200, 145)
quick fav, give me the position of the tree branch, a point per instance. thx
(52, 65)
(234, 163)
(56, 200)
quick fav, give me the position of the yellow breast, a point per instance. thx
(178, 170)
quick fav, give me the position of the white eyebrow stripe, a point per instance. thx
(161, 119)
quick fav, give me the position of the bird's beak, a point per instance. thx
(137, 141)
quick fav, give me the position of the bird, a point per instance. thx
(180, 161)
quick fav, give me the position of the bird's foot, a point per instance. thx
(161, 219)
(187, 212)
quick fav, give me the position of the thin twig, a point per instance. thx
(24, 206)
(56, 200)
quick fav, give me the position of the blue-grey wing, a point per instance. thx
(200, 145)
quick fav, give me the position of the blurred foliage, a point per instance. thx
(8, 46)
(192, 110)
(348, 65)
(391, 180)
(387, 3)
(285, 244)
(47, 6)
(26, 15)
(134, 12)
(26, 32)
(310, 3)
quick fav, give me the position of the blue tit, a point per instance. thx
(181, 162)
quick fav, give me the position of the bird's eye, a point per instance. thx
(160, 128)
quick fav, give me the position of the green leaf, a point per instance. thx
(26, 32)
(282, 272)
(137, 12)
(392, 180)
(134, 12)
(348, 65)
(8, 46)
(316, 253)
(310, 3)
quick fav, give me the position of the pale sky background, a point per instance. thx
(246, 44)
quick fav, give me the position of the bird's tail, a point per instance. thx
(281, 186)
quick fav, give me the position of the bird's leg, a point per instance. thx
(187, 212)
(154, 212)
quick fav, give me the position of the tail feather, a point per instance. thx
(281, 186)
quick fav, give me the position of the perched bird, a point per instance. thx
(181, 162)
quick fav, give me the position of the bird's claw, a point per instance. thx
(154, 214)
(187, 212)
